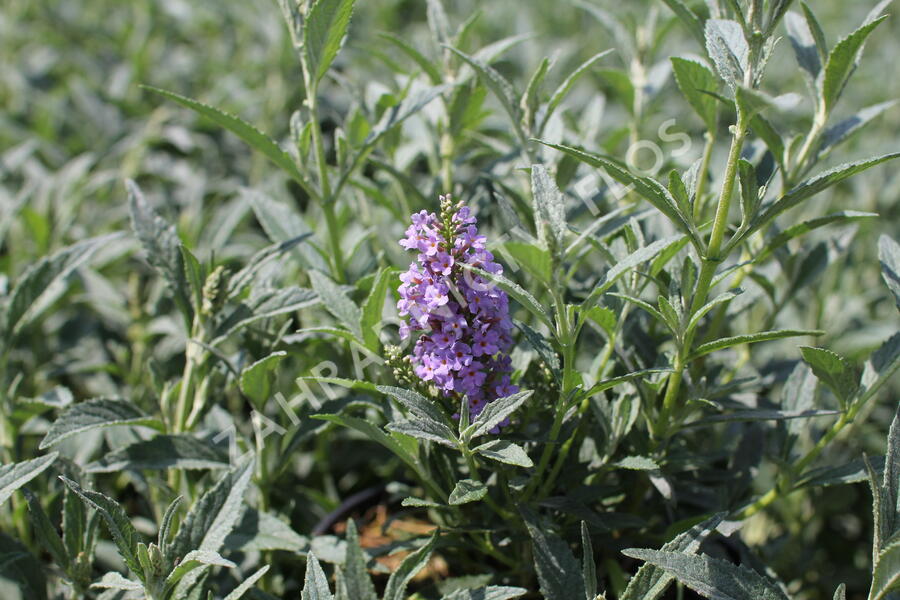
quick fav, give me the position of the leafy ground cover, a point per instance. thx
(402, 300)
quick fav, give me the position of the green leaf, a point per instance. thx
(94, 414)
(43, 283)
(283, 225)
(886, 574)
(711, 577)
(255, 378)
(833, 370)
(15, 475)
(248, 133)
(637, 463)
(648, 188)
(316, 583)
(375, 434)
(429, 68)
(530, 99)
(196, 559)
(588, 566)
(728, 49)
(373, 307)
(612, 382)
(337, 302)
(693, 80)
(534, 259)
(425, 430)
(761, 414)
(497, 83)
(883, 363)
(752, 338)
(415, 403)
(806, 226)
(518, 293)
(416, 99)
(491, 592)
(356, 575)
(412, 564)
(261, 531)
(123, 532)
(45, 532)
(559, 574)
(549, 210)
(889, 255)
(842, 61)
(560, 93)
(813, 186)
(639, 256)
(803, 42)
(214, 515)
(178, 451)
(506, 452)
(248, 583)
(690, 19)
(890, 486)
(495, 412)
(839, 132)
(650, 581)
(323, 35)
(467, 490)
(841, 592)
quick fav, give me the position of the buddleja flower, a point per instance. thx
(464, 318)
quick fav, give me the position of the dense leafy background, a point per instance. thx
(77, 124)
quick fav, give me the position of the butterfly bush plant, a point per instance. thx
(446, 334)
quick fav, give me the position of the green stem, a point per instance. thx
(328, 201)
(710, 263)
(773, 494)
(701, 175)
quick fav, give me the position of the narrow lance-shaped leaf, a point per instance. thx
(412, 564)
(248, 133)
(324, 33)
(94, 414)
(650, 581)
(506, 452)
(43, 283)
(711, 577)
(588, 567)
(316, 583)
(833, 370)
(639, 256)
(889, 255)
(498, 84)
(178, 451)
(842, 62)
(694, 80)
(337, 302)
(15, 475)
(648, 188)
(214, 515)
(496, 411)
(752, 338)
(558, 572)
(123, 532)
(467, 490)
(813, 186)
(356, 575)
(45, 531)
(245, 586)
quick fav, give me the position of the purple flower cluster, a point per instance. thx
(465, 319)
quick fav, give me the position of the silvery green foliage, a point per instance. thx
(202, 387)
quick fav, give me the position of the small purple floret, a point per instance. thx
(464, 319)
